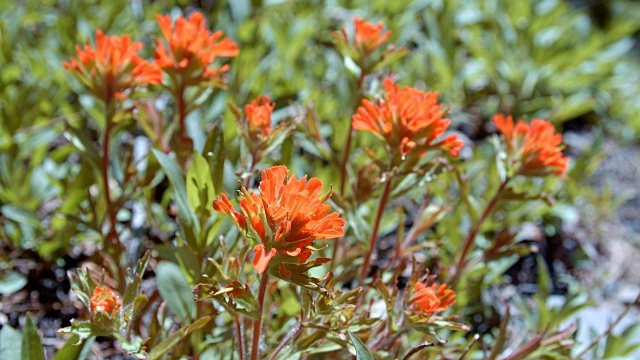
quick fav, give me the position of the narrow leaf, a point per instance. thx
(172, 340)
(361, 350)
(31, 345)
(174, 289)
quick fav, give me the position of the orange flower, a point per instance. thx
(366, 39)
(429, 300)
(408, 119)
(368, 36)
(113, 67)
(105, 301)
(258, 118)
(287, 216)
(192, 49)
(535, 149)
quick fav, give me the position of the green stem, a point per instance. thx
(345, 160)
(112, 244)
(105, 170)
(347, 150)
(183, 139)
(376, 227)
(257, 324)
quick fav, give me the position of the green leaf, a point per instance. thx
(544, 279)
(188, 220)
(134, 347)
(85, 330)
(72, 352)
(172, 340)
(214, 152)
(31, 345)
(200, 186)
(11, 283)
(10, 343)
(174, 289)
(133, 285)
(21, 216)
(502, 337)
(361, 351)
(624, 344)
(200, 192)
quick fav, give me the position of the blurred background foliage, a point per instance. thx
(575, 63)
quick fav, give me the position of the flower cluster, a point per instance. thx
(257, 119)
(368, 37)
(409, 120)
(533, 150)
(105, 301)
(113, 67)
(431, 299)
(285, 218)
(191, 49)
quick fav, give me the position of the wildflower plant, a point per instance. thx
(276, 231)
(187, 59)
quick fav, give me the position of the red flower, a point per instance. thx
(407, 120)
(112, 67)
(429, 300)
(258, 118)
(535, 149)
(287, 216)
(105, 301)
(192, 48)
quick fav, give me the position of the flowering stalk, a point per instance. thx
(376, 227)
(474, 231)
(257, 324)
(361, 47)
(188, 57)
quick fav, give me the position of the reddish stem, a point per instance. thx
(252, 164)
(474, 231)
(286, 340)
(257, 324)
(376, 227)
(182, 110)
(240, 335)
